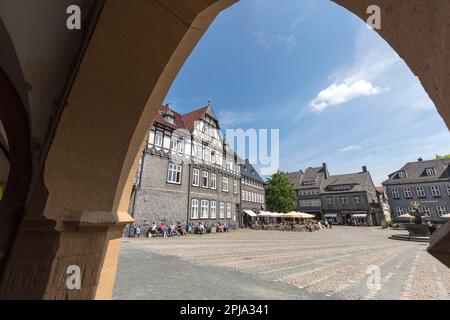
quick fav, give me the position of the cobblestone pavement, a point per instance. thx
(247, 264)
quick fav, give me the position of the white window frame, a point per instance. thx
(421, 192)
(196, 177)
(448, 189)
(213, 211)
(407, 192)
(235, 187)
(357, 199)
(225, 185)
(399, 211)
(426, 211)
(441, 210)
(229, 213)
(343, 199)
(213, 181)
(174, 173)
(222, 210)
(330, 200)
(435, 191)
(205, 175)
(204, 209)
(430, 172)
(159, 138)
(395, 193)
(194, 209)
(402, 174)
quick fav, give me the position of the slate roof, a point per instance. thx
(415, 172)
(360, 182)
(295, 178)
(179, 120)
(247, 170)
(312, 178)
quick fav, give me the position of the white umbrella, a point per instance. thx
(446, 216)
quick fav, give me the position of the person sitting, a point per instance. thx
(219, 227)
(163, 230)
(152, 230)
(181, 230)
(225, 227)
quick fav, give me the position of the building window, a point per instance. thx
(205, 179)
(235, 187)
(421, 192)
(213, 181)
(399, 211)
(435, 191)
(222, 210)
(395, 193)
(441, 211)
(343, 199)
(330, 200)
(448, 189)
(205, 209)
(407, 192)
(196, 177)
(228, 210)
(159, 138)
(225, 184)
(357, 199)
(430, 172)
(402, 174)
(426, 211)
(174, 173)
(213, 210)
(194, 209)
(174, 144)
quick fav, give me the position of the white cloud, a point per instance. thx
(337, 94)
(350, 148)
(231, 119)
(266, 40)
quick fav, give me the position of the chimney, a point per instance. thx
(364, 169)
(420, 159)
(325, 170)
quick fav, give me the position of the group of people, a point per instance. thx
(202, 228)
(308, 225)
(164, 230)
(174, 230)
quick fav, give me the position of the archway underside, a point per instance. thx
(134, 55)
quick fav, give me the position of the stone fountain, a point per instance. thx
(417, 231)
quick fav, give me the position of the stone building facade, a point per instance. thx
(348, 199)
(252, 190)
(187, 172)
(427, 182)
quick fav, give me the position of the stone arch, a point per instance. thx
(133, 57)
(16, 163)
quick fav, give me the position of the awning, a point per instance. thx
(330, 215)
(359, 216)
(302, 215)
(250, 213)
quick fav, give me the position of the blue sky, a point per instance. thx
(335, 89)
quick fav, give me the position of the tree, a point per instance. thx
(439, 157)
(280, 194)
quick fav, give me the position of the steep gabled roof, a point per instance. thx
(193, 116)
(179, 121)
(359, 181)
(295, 178)
(415, 172)
(247, 170)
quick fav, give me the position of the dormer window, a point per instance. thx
(402, 174)
(169, 119)
(430, 172)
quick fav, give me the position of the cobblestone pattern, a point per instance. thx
(328, 264)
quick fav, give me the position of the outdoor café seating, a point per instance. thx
(292, 221)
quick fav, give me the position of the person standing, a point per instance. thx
(138, 232)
